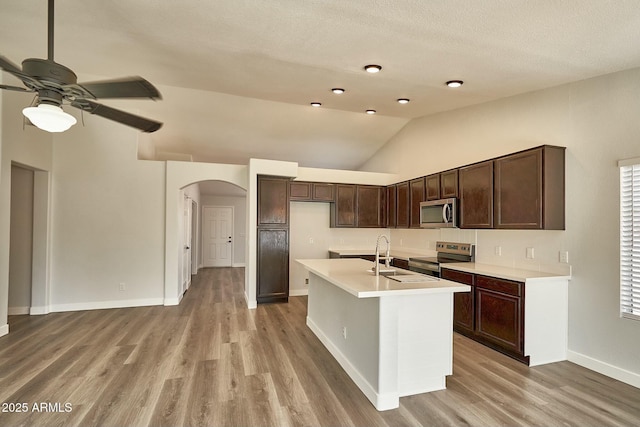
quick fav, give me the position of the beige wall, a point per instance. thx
(597, 120)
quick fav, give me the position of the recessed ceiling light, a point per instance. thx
(403, 100)
(337, 90)
(372, 68)
(315, 104)
(455, 83)
(371, 111)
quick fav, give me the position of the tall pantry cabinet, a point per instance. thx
(273, 239)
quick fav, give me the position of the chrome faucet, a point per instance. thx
(387, 258)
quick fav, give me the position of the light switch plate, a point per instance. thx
(564, 257)
(530, 253)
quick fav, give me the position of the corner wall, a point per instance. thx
(597, 120)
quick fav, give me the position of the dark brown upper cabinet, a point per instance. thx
(343, 211)
(273, 201)
(300, 191)
(529, 189)
(370, 206)
(402, 211)
(323, 192)
(416, 195)
(476, 195)
(391, 206)
(449, 184)
(432, 184)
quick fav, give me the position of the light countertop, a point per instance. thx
(396, 253)
(508, 273)
(353, 275)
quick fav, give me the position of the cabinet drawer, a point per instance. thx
(500, 285)
(400, 263)
(457, 276)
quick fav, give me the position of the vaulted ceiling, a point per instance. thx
(237, 76)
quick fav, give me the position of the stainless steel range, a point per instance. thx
(447, 252)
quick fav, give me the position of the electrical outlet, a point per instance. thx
(344, 332)
(498, 250)
(530, 253)
(306, 281)
(564, 257)
(311, 240)
(122, 286)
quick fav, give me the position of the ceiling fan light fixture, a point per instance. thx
(455, 83)
(50, 118)
(373, 68)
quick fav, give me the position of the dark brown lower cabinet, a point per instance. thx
(492, 314)
(273, 265)
(463, 302)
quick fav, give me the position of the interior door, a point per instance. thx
(218, 236)
(186, 238)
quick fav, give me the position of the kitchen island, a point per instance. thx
(392, 338)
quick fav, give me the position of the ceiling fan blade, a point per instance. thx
(16, 88)
(128, 87)
(141, 123)
(10, 67)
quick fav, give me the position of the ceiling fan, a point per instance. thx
(56, 84)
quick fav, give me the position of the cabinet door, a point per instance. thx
(300, 191)
(370, 207)
(463, 302)
(323, 192)
(402, 217)
(400, 263)
(432, 184)
(391, 206)
(449, 184)
(273, 265)
(476, 195)
(500, 313)
(518, 190)
(273, 201)
(343, 211)
(416, 187)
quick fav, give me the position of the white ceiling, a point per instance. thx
(251, 67)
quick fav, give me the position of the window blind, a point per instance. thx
(630, 239)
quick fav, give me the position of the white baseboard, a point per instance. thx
(238, 264)
(17, 311)
(382, 402)
(171, 301)
(101, 305)
(38, 311)
(298, 292)
(631, 378)
(4, 330)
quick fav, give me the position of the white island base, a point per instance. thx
(392, 339)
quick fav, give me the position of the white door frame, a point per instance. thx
(195, 232)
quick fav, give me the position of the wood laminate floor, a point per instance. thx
(212, 362)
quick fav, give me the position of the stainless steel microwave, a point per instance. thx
(438, 213)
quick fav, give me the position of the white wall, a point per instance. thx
(597, 120)
(21, 240)
(239, 222)
(311, 238)
(33, 148)
(108, 219)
